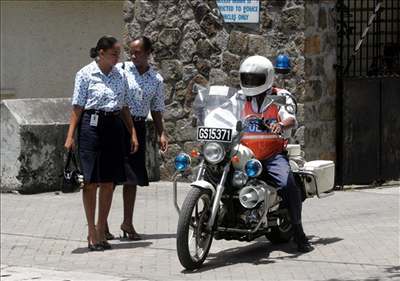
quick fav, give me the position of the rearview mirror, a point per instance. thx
(239, 126)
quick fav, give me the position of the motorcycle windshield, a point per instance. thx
(218, 107)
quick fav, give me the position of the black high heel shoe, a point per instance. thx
(109, 236)
(94, 247)
(105, 245)
(134, 236)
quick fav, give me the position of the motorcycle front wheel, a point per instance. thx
(193, 241)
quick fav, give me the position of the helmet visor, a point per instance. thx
(252, 80)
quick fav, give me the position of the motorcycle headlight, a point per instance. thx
(182, 162)
(253, 168)
(214, 152)
(239, 179)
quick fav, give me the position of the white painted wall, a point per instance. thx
(44, 43)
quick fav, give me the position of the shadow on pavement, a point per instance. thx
(132, 245)
(154, 236)
(256, 253)
(158, 236)
(394, 271)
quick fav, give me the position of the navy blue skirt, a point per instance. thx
(135, 164)
(101, 149)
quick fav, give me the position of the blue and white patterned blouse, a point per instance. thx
(145, 92)
(95, 90)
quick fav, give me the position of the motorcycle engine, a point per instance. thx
(254, 198)
(250, 218)
(244, 208)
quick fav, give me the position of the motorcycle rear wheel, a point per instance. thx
(195, 212)
(281, 233)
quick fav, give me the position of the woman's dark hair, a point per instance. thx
(147, 45)
(104, 43)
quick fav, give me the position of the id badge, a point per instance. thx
(94, 119)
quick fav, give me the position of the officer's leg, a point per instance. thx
(278, 170)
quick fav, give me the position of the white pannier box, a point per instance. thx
(324, 172)
(293, 150)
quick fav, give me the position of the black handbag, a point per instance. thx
(72, 178)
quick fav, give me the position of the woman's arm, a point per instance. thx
(73, 123)
(157, 107)
(126, 117)
(159, 124)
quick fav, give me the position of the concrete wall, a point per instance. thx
(44, 43)
(33, 132)
(32, 153)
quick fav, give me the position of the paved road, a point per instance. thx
(355, 233)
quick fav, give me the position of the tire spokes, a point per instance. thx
(198, 221)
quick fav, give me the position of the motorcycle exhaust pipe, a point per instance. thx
(250, 196)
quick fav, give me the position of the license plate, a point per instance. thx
(214, 134)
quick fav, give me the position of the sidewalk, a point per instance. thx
(17, 273)
(355, 233)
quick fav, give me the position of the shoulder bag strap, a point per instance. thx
(67, 163)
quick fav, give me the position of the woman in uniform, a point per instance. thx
(99, 113)
(145, 94)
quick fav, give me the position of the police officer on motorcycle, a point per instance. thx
(256, 79)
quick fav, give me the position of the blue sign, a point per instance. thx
(240, 11)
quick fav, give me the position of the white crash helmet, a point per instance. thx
(256, 75)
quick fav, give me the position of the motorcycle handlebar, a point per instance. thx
(256, 117)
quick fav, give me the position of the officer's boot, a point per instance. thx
(303, 245)
(305, 238)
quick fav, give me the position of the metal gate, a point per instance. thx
(368, 98)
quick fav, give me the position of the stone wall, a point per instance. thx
(320, 59)
(192, 43)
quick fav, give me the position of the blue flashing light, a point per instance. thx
(253, 168)
(282, 64)
(182, 162)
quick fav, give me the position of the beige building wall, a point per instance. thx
(44, 43)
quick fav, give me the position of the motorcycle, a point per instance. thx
(228, 198)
